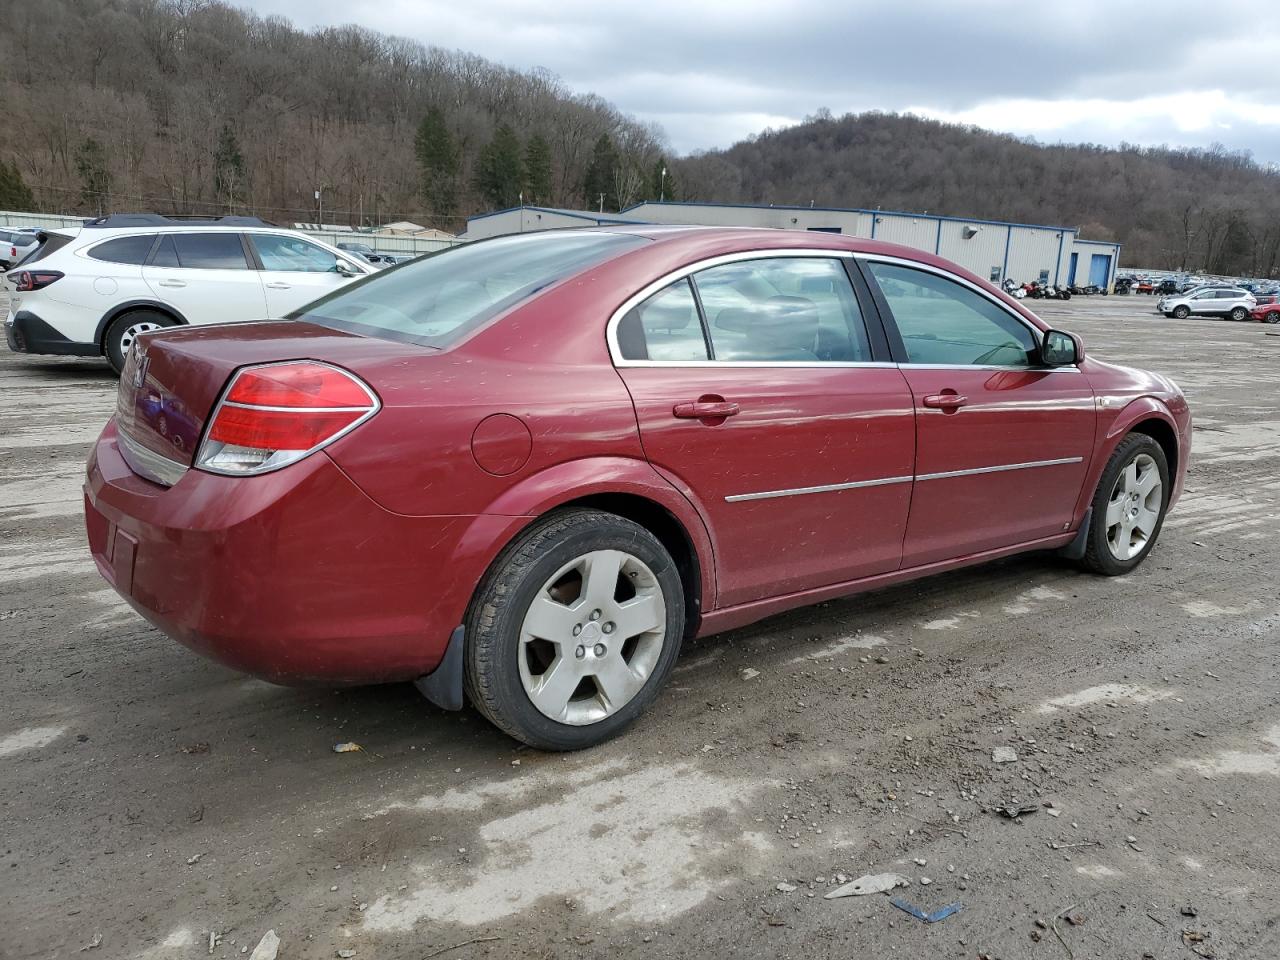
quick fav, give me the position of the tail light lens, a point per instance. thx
(273, 415)
(29, 280)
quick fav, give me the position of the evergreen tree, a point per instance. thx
(437, 163)
(600, 180)
(14, 192)
(537, 170)
(499, 171)
(228, 168)
(662, 185)
(95, 178)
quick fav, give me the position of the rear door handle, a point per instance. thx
(945, 401)
(277, 285)
(172, 283)
(705, 410)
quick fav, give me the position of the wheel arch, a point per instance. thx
(128, 306)
(630, 488)
(671, 533)
(1163, 433)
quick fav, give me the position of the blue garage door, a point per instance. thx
(1100, 269)
(1071, 274)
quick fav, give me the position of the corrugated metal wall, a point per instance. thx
(978, 247)
(1036, 252)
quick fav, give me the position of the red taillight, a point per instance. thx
(36, 279)
(276, 414)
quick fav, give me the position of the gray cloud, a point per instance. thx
(713, 71)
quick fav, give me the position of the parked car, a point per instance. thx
(90, 291)
(1266, 312)
(1233, 302)
(527, 468)
(15, 246)
(1166, 288)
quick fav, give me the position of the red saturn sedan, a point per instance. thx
(523, 471)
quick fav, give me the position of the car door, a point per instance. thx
(206, 277)
(1002, 444)
(296, 271)
(762, 392)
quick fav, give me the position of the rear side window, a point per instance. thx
(202, 251)
(292, 254)
(437, 299)
(783, 309)
(664, 327)
(124, 250)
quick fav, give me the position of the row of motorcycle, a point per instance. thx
(1047, 291)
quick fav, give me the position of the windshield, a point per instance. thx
(435, 300)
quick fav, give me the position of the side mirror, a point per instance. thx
(1060, 349)
(341, 266)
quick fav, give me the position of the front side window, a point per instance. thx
(782, 309)
(664, 327)
(203, 251)
(944, 322)
(124, 249)
(437, 299)
(292, 254)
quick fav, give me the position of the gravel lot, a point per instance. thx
(151, 800)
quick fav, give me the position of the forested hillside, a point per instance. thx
(1175, 208)
(197, 106)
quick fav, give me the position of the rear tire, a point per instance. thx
(1272, 317)
(124, 330)
(1182, 312)
(574, 629)
(1129, 507)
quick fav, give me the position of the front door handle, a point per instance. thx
(172, 283)
(277, 285)
(945, 401)
(706, 408)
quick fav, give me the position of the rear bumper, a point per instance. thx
(26, 333)
(294, 576)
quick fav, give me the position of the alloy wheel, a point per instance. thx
(1133, 510)
(592, 637)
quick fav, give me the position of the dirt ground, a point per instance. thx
(151, 801)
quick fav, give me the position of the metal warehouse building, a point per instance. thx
(989, 248)
(529, 219)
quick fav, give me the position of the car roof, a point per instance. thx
(705, 241)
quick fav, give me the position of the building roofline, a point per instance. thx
(578, 214)
(892, 213)
(1101, 243)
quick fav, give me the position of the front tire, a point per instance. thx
(1129, 507)
(1182, 312)
(1272, 317)
(1239, 313)
(574, 630)
(125, 329)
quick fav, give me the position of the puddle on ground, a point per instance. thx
(644, 845)
(1126, 693)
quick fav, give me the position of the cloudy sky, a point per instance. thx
(710, 72)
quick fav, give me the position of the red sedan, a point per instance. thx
(1267, 312)
(524, 470)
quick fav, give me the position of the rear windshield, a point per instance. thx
(49, 243)
(437, 299)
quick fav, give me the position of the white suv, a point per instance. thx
(90, 291)
(1230, 302)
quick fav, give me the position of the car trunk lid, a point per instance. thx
(172, 379)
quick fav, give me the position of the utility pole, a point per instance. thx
(320, 213)
(662, 186)
(602, 203)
